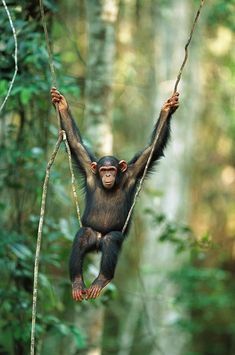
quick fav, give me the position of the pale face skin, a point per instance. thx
(108, 176)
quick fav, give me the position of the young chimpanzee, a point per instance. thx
(110, 186)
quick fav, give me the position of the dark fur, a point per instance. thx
(106, 210)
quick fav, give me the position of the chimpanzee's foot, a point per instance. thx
(78, 289)
(96, 287)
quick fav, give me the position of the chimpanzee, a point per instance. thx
(110, 185)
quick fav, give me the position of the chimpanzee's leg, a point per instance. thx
(84, 241)
(110, 246)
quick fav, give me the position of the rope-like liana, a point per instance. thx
(54, 80)
(72, 178)
(39, 239)
(187, 44)
(15, 56)
(53, 74)
(62, 136)
(163, 119)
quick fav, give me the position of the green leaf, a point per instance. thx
(20, 250)
(79, 337)
(25, 95)
(3, 87)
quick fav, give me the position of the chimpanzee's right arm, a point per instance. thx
(78, 149)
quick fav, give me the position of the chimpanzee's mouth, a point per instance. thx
(108, 183)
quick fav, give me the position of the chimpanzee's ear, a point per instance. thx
(94, 167)
(123, 165)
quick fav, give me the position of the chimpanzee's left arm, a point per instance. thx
(138, 163)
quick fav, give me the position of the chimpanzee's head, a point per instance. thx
(109, 169)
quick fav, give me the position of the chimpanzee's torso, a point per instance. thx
(107, 210)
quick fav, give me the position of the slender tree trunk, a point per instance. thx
(101, 18)
(152, 313)
(172, 25)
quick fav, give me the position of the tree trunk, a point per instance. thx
(172, 25)
(101, 18)
(152, 313)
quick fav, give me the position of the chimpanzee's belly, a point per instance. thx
(106, 213)
(105, 219)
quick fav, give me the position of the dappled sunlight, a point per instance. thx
(222, 43)
(116, 63)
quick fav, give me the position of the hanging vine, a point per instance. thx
(62, 137)
(164, 117)
(15, 56)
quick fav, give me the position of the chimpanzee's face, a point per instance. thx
(108, 176)
(110, 170)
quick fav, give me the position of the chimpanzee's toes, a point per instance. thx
(94, 292)
(77, 295)
(96, 287)
(78, 289)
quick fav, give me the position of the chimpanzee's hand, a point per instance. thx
(59, 99)
(172, 103)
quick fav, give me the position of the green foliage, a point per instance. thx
(33, 76)
(24, 141)
(207, 296)
(205, 287)
(205, 292)
(222, 12)
(180, 235)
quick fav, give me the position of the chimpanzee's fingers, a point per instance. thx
(86, 294)
(56, 97)
(56, 93)
(54, 90)
(80, 296)
(175, 96)
(98, 293)
(74, 295)
(91, 291)
(77, 295)
(55, 100)
(174, 100)
(93, 294)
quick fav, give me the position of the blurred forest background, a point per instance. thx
(116, 63)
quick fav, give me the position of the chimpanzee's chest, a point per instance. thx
(106, 210)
